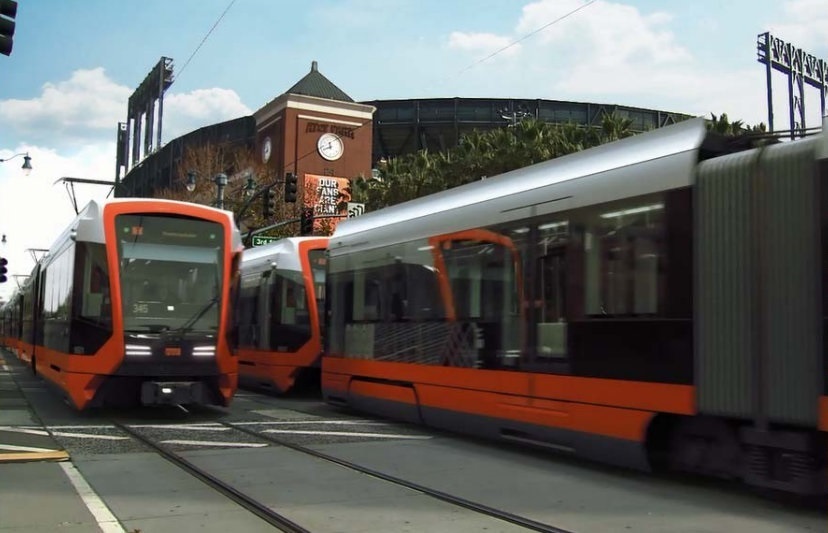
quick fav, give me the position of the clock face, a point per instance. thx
(330, 146)
(267, 148)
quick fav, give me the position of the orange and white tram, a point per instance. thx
(279, 313)
(11, 322)
(656, 302)
(132, 304)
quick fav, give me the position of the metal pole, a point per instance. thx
(768, 73)
(221, 182)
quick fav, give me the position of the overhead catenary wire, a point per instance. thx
(178, 75)
(493, 54)
(548, 24)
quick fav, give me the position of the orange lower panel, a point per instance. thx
(619, 409)
(277, 368)
(643, 396)
(823, 413)
(228, 383)
(335, 382)
(282, 377)
(604, 420)
(384, 392)
(80, 388)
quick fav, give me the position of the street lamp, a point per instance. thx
(27, 162)
(250, 187)
(220, 180)
(190, 181)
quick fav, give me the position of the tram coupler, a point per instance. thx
(172, 392)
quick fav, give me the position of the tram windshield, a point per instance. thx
(170, 273)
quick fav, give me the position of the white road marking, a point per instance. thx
(106, 520)
(189, 427)
(207, 443)
(345, 434)
(14, 448)
(79, 426)
(28, 431)
(299, 422)
(89, 436)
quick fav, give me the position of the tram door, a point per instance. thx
(550, 287)
(482, 270)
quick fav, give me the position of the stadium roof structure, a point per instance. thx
(437, 124)
(314, 83)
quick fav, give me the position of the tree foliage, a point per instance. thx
(722, 125)
(481, 154)
(206, 161)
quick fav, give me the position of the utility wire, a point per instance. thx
(528, 35)
(178, 75)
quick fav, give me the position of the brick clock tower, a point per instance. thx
(319, 133)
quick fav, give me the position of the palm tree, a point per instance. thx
(481, 154)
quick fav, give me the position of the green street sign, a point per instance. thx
(261, 240)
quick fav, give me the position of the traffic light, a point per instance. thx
(291, 186)
(3, 270)
(8, 10)
(269, 206)
(306, 221)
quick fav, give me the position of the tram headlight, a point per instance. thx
(138, 350)
(204, 351)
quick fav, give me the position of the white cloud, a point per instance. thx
(34, 210)
(482, 44)
(87, 107)
(616, 53)
(804, 25)
(74, 110)
(604, 33)
(186, 112)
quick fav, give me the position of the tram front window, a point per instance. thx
(170, 273)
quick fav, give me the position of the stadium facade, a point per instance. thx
(295, 122)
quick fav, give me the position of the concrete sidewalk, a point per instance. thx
(22, 436)
(40, 490)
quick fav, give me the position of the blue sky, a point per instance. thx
(75, 63)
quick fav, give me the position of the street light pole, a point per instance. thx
(27, 162)
(221, 183)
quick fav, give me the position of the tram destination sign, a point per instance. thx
(261, 240)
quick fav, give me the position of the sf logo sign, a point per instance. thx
(355, 209)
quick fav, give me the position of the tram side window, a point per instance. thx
(289, 319)
(482, 278)
(247, 313)
(551, 288)
(57, 300)
(624, 259)
(485, 292)
(417, 289)
(340, 286)
(397, 292)
(92, 301)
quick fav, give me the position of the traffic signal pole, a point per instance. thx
(8, 11)
(252, 233)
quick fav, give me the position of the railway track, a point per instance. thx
(246, 501)
(280, 520)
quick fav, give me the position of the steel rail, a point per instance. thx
(256, 507)
(528, 523)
